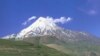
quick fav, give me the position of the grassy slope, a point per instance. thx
(82, 48)
(19, 48)
(77, 49)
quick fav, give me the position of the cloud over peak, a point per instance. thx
(61, 20)
(29, 19)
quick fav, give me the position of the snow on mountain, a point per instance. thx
(9, 36)
(47, 26)
(42, 26)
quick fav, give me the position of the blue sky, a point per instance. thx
(85, 14)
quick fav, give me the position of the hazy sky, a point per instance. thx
(85, 14)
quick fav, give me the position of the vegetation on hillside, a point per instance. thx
(20, 48)
(82, 48)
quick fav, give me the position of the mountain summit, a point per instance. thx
(42, 26)
(47, 26)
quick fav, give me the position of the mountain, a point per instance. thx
(45, 26)
(46, 32)
(42, 26)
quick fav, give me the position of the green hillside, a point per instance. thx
(82, 48)
(20, 48)
(47, 46)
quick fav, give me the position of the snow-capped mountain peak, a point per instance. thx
(46, 26)
(41, 26)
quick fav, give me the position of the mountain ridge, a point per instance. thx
(46, 26)
(45, 31)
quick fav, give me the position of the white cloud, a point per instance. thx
(92, 12)
(24, 23)
(29, 19)
(92, 9)
(62, 20)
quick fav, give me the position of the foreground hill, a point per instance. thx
(20, 48)
(80, 48)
